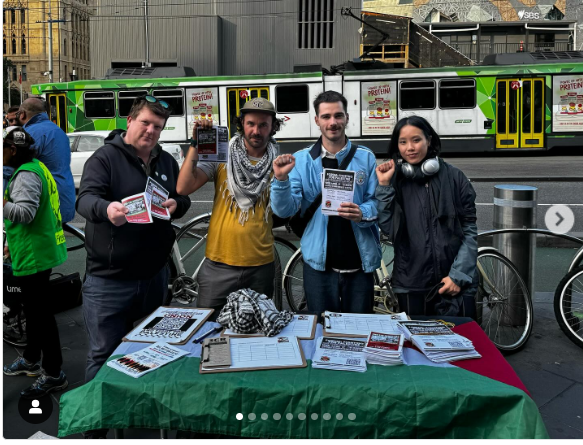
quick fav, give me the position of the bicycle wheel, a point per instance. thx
(283, 250)
(503, 304)
(187, 255)
(293, 283)
(569, 305)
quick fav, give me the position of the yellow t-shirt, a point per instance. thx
(228, 241)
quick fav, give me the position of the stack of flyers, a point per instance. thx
(339, 354)
(143, 206)
(156, 195)
(147, 360)
(138, 209)
(438, 342)
(384, 349)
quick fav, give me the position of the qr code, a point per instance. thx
(168, 323)
(353, 361)
(456, 344)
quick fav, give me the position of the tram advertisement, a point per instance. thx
(378, 107)
(568, 103)
(202, 103)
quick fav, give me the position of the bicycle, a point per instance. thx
(385, 301)
(504, 304)
(188, 254)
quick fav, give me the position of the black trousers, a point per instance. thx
(414, 303)
(41, 327)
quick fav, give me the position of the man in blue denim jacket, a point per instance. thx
(340, 252)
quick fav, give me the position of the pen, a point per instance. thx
(206, 334)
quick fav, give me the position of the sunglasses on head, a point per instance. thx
(154, 100)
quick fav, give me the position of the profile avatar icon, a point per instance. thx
(35, 409)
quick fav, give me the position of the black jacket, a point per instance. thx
(130, 251)
(433, 229)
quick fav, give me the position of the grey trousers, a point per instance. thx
(217, 280)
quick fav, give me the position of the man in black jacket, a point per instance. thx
(127, 271)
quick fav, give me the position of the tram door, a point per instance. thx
(237, 98)
(58, 110)
(520, 113)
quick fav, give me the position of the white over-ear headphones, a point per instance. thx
(428, 168)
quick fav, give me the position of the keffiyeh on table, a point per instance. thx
(249, 312)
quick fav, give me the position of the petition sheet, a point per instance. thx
(156, 195)
(266, 352)
(362, 324)
(337, 187)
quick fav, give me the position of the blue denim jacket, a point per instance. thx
(304, 185)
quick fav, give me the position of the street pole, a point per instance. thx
(147, 62)
(50, 44)
(20, 81)
(8, 80)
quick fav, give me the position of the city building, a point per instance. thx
(25, 28)
(477, 28)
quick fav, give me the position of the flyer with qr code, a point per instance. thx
(337, 187)
(138, 209)
(213, 144)
(147, 360)
(339, 354)
(156, 195)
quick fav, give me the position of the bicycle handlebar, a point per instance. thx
(539, 231)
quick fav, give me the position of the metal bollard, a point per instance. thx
(515, 208)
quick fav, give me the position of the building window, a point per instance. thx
(125, 100)
(13, 16)
(13, 46)
(64, 47)
(417, 95)
(4, 47)
(316, 24)
(14, 78)
(24, 75)
(292, 99)
(23, 44)
(459, 93)
(99, 104)
(22, 17)
(173, 98)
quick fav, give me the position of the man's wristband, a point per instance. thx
(193, 143)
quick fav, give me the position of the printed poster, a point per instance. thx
(337, 187)
(201, 104)
(213, 144)
(378, 107)
(568, 103)
(138, 209)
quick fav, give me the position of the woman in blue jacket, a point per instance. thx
(427, 207)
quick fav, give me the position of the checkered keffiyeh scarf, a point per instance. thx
(249, 312)
(248, 184)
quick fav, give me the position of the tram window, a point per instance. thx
(125, 100)
(292, 99)
(417, 95)
(174, 98)
(460, 93)
(99, 104)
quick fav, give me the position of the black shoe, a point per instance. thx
(44, 385)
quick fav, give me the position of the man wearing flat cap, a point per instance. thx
(239, 249)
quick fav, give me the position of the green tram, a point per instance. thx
(482, 108)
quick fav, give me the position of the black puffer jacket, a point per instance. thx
(130, 251)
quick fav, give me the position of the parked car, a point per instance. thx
(84, 143)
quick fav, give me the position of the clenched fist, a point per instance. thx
(385, 172)
(282, 165)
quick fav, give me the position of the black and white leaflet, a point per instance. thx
(337, 187)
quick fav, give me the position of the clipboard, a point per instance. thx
(155, 317)
(311, 336)
(258, 368)
(326, 333)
